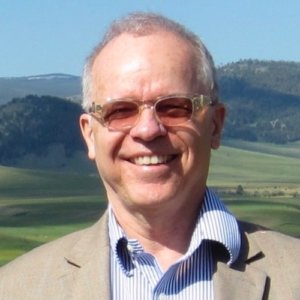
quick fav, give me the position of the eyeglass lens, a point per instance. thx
(171, 111)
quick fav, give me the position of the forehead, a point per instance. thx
(157, 59)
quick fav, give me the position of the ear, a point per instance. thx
(218, 124)
(88, 134)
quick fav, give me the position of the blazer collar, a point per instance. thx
(88, 264)
(241, 280)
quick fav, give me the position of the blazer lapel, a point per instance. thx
(88, 264)
(230, 284)
(88, 273)
(241, 280)
(92, 281)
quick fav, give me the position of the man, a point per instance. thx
(152, 117)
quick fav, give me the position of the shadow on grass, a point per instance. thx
(261, 203)
(23, 244)
(277, 214)
(63, 213)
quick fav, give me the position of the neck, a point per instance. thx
(164, 234)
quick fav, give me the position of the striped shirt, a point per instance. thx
(136, 275)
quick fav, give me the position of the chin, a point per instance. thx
(151, 199)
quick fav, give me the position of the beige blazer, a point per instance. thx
(77, 267)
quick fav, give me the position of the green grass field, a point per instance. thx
(39, 206)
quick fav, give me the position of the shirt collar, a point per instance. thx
(115, 231)
(215, 223)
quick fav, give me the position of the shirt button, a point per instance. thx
(129, 248)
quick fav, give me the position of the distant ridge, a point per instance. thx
(42, 76)
(51, 76)
(55, 84)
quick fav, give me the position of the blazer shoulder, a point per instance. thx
(271, 241)
(44, 265)
(38, 257)
(277, 255)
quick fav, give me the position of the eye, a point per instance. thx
(174, 107)
(119, 110)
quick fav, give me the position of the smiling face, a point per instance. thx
(151, 166)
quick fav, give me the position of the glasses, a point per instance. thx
(123, 114)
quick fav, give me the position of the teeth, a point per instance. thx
(150, 160)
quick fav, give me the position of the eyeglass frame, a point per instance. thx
(199, 101)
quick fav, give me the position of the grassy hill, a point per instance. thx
(38, 206)
(256, 164)
(287, 150)
(260, 183)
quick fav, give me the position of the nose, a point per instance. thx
(148, 127)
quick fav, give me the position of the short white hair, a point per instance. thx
(141, 23)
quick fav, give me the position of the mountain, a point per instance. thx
(40, 131)
(58, 85)
(276, 76)
(263, 100)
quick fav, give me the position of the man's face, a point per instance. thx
(150, 166)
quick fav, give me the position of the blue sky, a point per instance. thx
(55, 36)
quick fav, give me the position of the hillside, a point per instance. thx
(39, 206)
(58, 85)
(277, 76)
(263, 101)
(42, 132)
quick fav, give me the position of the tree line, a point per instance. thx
(263, 100)
(30, 125)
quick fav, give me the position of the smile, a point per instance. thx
(151, 160)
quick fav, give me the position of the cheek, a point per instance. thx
(105, 162)
(197, 142)
(107, 145)
(103, 149)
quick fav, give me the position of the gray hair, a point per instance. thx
(140, 24)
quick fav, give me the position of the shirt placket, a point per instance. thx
(148, 267)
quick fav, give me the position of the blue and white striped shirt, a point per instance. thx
(135, 274)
